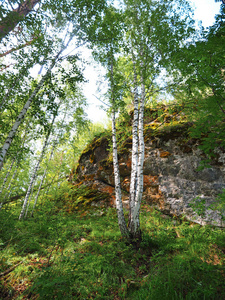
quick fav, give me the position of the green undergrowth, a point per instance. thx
(61, 255)
(79, 197)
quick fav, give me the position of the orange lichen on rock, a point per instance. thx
(128, 163)
(111, 191)
(164, 154)
(89, 177)
(108, 189)
(150, 180)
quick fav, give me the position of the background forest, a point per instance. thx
(153, 53)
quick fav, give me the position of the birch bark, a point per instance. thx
(35, 172)
(134, 158)
(23, 112)
(43, 178)
(14, 174)
(30, 197)
(9, 190)
(7, 175)
(119, 203)
(38, 192)
(135, 224)
(50, 157)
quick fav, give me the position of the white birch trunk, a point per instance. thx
(38, 192)
(23, 112)
(29, 200)
(135, 225)
(135, 142)
(4, 182)
(43, 177)
(119, 204)
(7, 175)
(8, 194)
(35, 172)
(20, 119)
(42, 180)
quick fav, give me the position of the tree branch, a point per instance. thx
(18, 47)
(15, 16)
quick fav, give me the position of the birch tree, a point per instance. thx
(23, 112)
(33, 177)
(148, 50)
(43, 23)
(55, 142)
(148, 55)
(119, 205)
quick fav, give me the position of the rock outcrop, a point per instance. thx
(172, 179)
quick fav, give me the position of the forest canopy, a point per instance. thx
(151, 50)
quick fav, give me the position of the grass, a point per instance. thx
(61, 255)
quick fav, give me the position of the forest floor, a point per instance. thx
(80, 255)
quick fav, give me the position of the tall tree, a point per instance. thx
(33, 177)
(45, 27)
(152, 32)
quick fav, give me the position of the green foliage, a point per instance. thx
(70, 250)
(202, 65)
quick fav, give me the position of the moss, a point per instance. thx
(162, 122)
(90, 147)
(79, 196)
(172, 131)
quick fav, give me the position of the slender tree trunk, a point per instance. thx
(38, 192)
(35, 172)
(25, 108)
(42, 180)
(7, 175)
(20, 119)
(9, 190)
(29, 200)
(14, 174)
(50, 157)
(119, 204)
(134, 162)
(14, 198)
(4, 182)
(135, 223)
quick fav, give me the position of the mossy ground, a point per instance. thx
(72, 249)
(81, 255)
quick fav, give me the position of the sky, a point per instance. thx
(205, 11)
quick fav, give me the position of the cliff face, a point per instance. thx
(171, 179)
